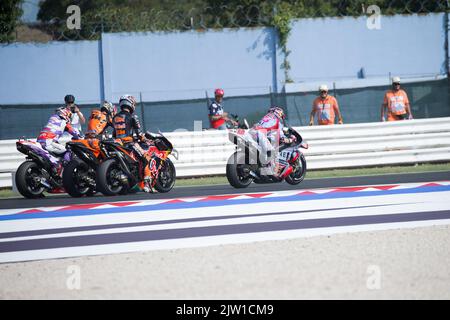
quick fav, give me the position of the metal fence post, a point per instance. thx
(1, 126)
(142, 111)
(102, 70)
(447, 52)
(270, 96)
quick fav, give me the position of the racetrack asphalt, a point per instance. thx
(409, 263)
(196, 191)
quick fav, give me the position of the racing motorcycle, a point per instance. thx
(244, 165)
(38, 174)
(123, 171)
(79, 175)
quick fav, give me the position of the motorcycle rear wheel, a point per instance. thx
(235, 175)
(26, 180)
(72, 179)
(107, 181)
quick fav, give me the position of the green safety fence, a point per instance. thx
(428, 99)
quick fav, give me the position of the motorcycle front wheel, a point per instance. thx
(299, 173)
(166, 177)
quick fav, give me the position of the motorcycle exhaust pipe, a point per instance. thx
(45, 183)
(253, 174)
(123, 178)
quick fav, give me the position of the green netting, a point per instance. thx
(27, 120)
(428, 100)
(175, 115)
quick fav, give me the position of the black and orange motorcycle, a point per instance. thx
(123, 171)
(79, 176)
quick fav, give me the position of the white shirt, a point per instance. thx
(75, 124)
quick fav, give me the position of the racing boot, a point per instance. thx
(147, 187)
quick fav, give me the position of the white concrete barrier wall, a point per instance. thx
(340, 146)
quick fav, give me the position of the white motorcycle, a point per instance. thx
(244, 165)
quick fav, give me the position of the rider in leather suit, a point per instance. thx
(126, 123)
(52, 132)
(269, 133)
(100, 120)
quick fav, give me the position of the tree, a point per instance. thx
(117, 16)
(10, 13)
(50, 9)
(162, 15)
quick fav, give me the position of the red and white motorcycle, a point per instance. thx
(244, 165)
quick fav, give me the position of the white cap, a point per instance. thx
(323, 87)
(396, 80)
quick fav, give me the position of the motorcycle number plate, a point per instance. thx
(284, 155)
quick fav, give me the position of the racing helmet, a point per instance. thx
(109, 108)
(64, 113)
(278, 111)
(127, 101)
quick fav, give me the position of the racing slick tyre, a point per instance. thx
(299, 173)
(166, 177)
(28, 177)
(238, 173)
(109, 178)
(75, 177)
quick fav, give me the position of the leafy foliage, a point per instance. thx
(10, 13)
(134, 15)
